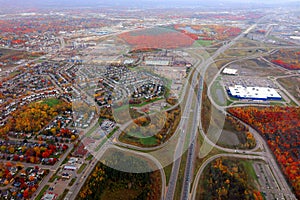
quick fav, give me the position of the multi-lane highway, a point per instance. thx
(183, 132)
(196, 119)
(266, 155)
(191, 107)
(253, 154)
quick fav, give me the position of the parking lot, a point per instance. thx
(247, 82)
(267, 182)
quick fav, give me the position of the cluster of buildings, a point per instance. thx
(36, 82)
(280, 30)
(31, 152)
(169, 64)
(83, 119)
(40, 31)
(49, 196)
(20, 182)
(107, 125)
(149, 91)
(111, 83)
(34, 42)
(70, 40)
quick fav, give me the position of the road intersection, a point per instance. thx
(191, 102)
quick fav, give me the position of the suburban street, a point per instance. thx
(168, 100)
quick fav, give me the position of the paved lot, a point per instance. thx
(248, 81)
(267, 182)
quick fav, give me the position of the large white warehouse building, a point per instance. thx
(254, 93)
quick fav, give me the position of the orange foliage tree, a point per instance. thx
(280, 127)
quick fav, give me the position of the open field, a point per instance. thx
(51, 102)
(203, 43)
(255, 67)
(157, 38)
(218, 94)
(244, 42)
(168, 171)
(292, 85)
(10, 57)
(209, 32)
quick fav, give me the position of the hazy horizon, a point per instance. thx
(142, 3)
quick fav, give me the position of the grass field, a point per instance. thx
(72, 181)
(203, 43)
(4, 52)
(168, 171)
(120, 114)
(215, 88)
(10, 56)
(82, 167)
(137, 139)
(179, 184)
(51, 102)
(149, 141)
(248, 165)
(90, 157)
(41, 194)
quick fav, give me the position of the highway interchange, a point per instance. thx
(191, 107)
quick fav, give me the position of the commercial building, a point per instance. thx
(49, 196)
(70, 167)
(230, 71)
(254, 93)
(157, 62)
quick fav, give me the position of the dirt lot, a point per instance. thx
(291, 84)
(256, 67)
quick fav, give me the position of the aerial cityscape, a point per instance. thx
(150, 100)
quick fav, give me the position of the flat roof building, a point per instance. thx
(128, 62)
(230, 71)
(254, 93)
(70, 167)
(49, 196)
(157, 62)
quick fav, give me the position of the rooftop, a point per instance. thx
(230, 71)
(48, 196)
(259, 93)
